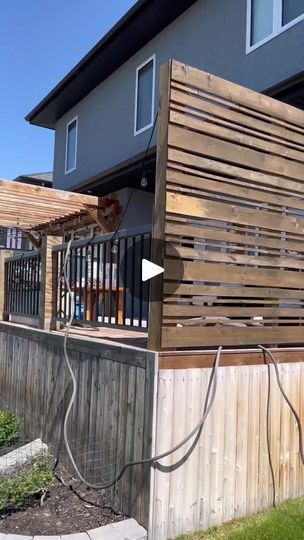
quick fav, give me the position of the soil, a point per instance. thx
(62, 511)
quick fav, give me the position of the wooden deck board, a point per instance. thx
(133, 338)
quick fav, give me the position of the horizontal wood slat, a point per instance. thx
(239, 95)
(199, 272)
(239, 292)
(181, 97)
(219, 185)
(227, 169)
(186, 231)
(200, 208)
(209, 337)
(234, 215)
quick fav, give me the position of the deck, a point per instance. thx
(133, 338)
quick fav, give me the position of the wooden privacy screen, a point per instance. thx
(230, 198)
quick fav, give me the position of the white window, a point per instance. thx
(71, 145)
(144, 96)
(269, 18)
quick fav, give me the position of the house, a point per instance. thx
(44, 179)
(229, 200)
(103, 112)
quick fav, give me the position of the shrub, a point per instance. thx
(10, 428)
(18, 491)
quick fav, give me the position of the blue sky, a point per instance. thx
(40, 41)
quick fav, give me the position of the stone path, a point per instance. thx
(123, 530)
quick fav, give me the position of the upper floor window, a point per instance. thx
(268, 18)
(144, 96)
(71, 145)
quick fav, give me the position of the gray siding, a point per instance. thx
(139, 210)
(211, 36)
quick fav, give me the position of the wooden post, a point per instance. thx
(4, 254)
(48, 293)
(156, 307)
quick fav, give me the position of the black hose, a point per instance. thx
(294, 412)
(152, 460)
(268, 433)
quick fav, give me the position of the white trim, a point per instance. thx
(148, 126)
(277, 24)
(75, 119)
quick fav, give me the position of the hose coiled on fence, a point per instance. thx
(210, 397)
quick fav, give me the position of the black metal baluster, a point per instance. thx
(65, 303)
(125, 271)
(38, 283)
(70, 278)
(32, 285)
(97, 281)
(117, 283)
(111, 281)
(28, 286)
(59, 286)
(141, 284)
(92, 283)
(30, 292)
(23, 287)
(80, 310)
(6, 285)
(85, 303)
(14, 285)
(133, 280)
(104, 258)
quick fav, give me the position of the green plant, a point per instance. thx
(16, 492)
(10, 427)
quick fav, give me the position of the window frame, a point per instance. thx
(75, 119)
(138, 69)
(278, 28)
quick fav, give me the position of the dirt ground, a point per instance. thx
(62, 511)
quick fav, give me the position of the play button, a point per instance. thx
(138, 270)
(149, 270)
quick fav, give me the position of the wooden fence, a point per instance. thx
(229, 198)
(111, 421)
(226, 475)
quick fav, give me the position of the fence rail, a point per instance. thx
(103, 274)
(22, 284)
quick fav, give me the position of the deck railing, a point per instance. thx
(22, 274)
(103, 273)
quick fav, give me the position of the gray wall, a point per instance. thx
(211, 36)
(140, 208)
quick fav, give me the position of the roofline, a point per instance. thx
(86, 59)
(284, 85)
(122, 168)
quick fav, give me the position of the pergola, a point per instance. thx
(52, 211)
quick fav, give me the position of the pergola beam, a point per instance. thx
(99, 219)
(36, 208)
(53, 195)
(35, 241)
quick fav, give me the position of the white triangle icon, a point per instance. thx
(149, 270)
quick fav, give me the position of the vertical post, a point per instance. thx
(4, 254)
(48, 292)
(159, 214)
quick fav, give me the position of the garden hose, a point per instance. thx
(212, 387)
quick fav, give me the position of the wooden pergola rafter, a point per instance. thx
(52, 211)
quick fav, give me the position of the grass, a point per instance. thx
(283, 523)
